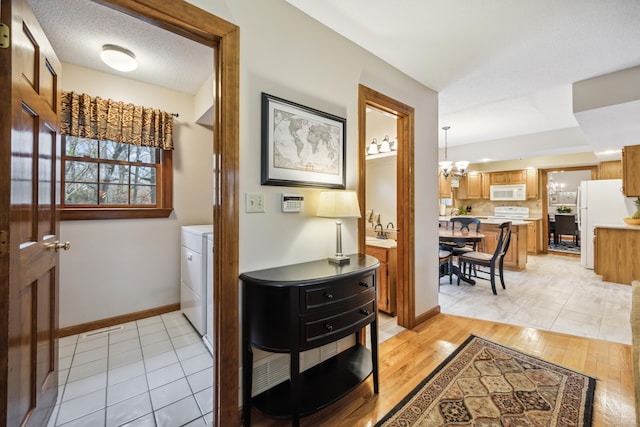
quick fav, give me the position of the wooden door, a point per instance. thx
(30, 84)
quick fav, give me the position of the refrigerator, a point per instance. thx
(600, 202)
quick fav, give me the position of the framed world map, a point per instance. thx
(301, 146)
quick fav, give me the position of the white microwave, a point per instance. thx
(508, 192)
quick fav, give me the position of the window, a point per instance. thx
(102, 178)
(116, 160)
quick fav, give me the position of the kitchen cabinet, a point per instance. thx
(387, 274)
(533, 187)
(534, 233)
(471, 187)
(509, 177)
(299, 307)
(516, 256)
(616, 252)
(610, 170)
(444, 186)
(631, 170)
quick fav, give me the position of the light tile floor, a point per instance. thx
(151, 372)
(554, 293)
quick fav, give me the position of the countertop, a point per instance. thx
(486, 220)
(381, 243)
(618, 226)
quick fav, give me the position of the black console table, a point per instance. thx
(302, 306)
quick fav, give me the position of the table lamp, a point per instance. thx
(338, 204)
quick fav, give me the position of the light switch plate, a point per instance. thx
(255, 203)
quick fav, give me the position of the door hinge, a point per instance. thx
(5, 41)
(4, 242)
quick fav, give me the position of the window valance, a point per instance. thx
(96, 118)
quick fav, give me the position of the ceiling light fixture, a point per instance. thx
(447, 166)
(118, 58)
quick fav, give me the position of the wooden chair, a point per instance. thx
(493, 262)
(566, 225)
(463, 223)
(445, 265)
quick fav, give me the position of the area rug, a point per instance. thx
(486, 384)
(567, 247)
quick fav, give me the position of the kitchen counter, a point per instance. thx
(618, 226)
(487, 220)
(616, 249)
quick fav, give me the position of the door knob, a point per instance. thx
(57, 246)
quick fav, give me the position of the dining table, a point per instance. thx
(459, 237)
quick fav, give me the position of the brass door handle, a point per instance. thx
(57, 246)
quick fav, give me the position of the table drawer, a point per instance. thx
(341, 291)
(345, 322)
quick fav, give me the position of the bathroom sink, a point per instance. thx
(382, 243)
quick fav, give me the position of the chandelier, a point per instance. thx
(447, 167)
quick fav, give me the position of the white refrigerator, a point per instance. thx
(600, 202)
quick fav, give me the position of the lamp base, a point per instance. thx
(339, 259)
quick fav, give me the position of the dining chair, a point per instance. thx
(566, 225)
(445, 265)
(551, 227)
(462, 223)
(494, 262)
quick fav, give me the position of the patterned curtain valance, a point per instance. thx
(96, 118)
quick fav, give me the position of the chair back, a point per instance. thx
(566, 224)
(465, 222)
(504, 240)
(551, 225)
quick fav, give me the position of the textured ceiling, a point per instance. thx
(503, 69)
(77, 30)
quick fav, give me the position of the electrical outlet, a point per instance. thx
(255, 203)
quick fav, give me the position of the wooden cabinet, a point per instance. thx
(509, 177)
(471, 186)
(516, 256)
(387, 274)
(534, 234)
(444, 186)
(533, 187)
(300, 307)
(631, 170)
(610, 170)
(616, 254)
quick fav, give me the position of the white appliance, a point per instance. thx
(208, 336)
(600, 202)
(510, 212)
(508, 192)
(193, 274)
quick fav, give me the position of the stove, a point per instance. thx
(510, 212)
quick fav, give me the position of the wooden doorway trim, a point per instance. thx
(404, 193)
(198, 25)
(545, 196)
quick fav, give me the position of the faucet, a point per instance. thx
(391, 224)
(381, 234)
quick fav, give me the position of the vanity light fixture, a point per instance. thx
(384, 145)
(118, 58)
(447, 166)
(373, 147)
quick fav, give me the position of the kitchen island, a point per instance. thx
(616, 249)
(516, 256)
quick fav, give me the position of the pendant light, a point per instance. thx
(447, 166)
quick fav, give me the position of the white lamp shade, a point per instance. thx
(338, 204)
(118, 58)
(462, 165)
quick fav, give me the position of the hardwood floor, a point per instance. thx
(410, 356)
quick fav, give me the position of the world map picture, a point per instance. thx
(304, 144)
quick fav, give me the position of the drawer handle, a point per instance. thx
(328, 327)
(365, 284)
(329, 295)
(365, 312)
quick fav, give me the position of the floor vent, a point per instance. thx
(99, 332)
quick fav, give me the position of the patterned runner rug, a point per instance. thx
(486, 384)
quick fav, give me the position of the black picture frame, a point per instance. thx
(301, 146)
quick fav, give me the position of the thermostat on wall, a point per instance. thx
(292, 202)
